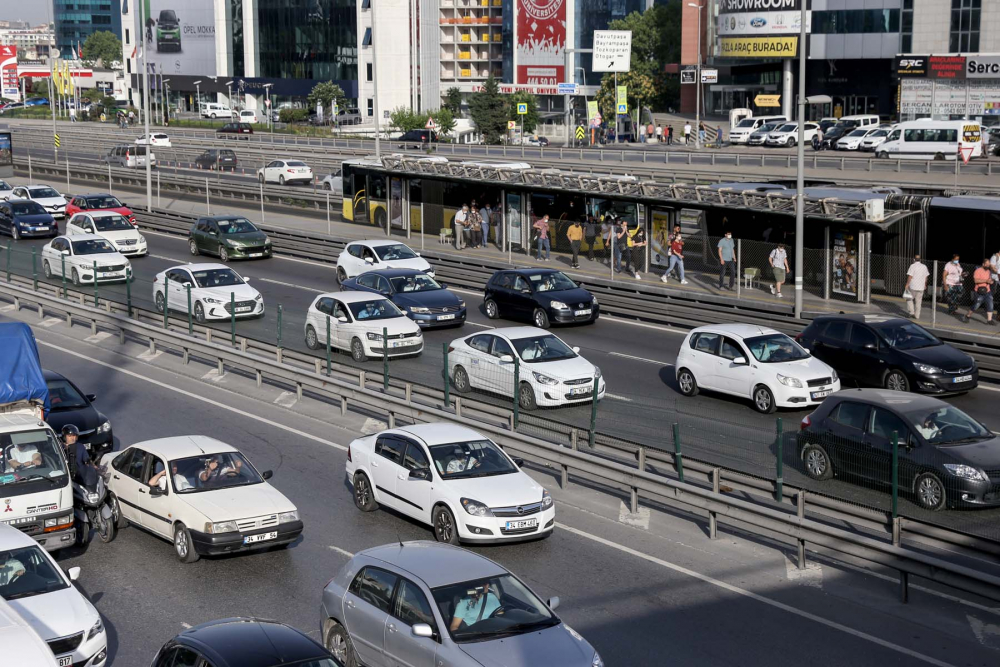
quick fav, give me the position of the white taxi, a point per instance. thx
(355, 322)
(112, 226)
(77, 256)
(217, 292)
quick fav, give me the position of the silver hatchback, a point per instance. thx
(425, 604)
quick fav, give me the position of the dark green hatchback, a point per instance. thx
(228, 237)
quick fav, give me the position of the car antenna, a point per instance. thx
(398, 539)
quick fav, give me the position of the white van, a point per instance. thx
(932, 140)
(213, 110)
(862, 120)
(22, 646)
(741, 133)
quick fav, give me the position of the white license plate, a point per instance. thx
(579, 390)
(963, 378)
(66, 661)
(263, 537)
(578, 313)
(111, 274)
(820, 394)
(256, 254)
(244, 309)
(397, 343)
(41, 229)
(523, 523)
(446, 317)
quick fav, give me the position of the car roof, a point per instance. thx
(353, 297)
(183, 446)
(375, 243)
(436, 564)
(527, 269)
(94, 194)
(33, 186)
(861, 317)
(738, 330)
(12, 538)
(102, 213)
(514, 333)
(205, 266)
(223, 217)
(251, 642)
(440, 433)
(898, 400)
(83, 237)
(52, 375)
(394, 273)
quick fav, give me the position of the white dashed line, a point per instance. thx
(170, 259)
(618, 397)
(477, 324)
(284, 284)
(644, 359)
(341, 551)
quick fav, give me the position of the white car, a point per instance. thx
(215, 289)
(334, 183)
(52, 201)
(21, 644)
(248, 116)
(363, 256)
(154, 138)
(356, 321)
(112, 226)
(6, 190)
(451, 478)
(759, 136)
(45, 597)
(874, 140)
(852, 140)
(79, 253)
(212, 501)
(285, 171)
(550, 372)
(761, 364)
(788, 134)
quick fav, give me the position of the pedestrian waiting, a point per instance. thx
(916, 284)
(638, 252)
(778, 259)
(951, 283)
(458, 226)
(575, 236)
(727, 260)
(541, 228)
(475, 226)
(590, 234)
(982, 279)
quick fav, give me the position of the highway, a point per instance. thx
(645, 589)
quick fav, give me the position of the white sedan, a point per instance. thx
(215, 289)
(761, 364)
(451, 478)
(53, 202)
(111, 226)
(285, 171)
(874, 140)
(788, 134)
(211, 501)
(550, 372)
(79, 254)
(154, 138)
(356, 321)
(852, 140)
(363, 256)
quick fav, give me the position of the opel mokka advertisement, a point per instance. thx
(180, 36)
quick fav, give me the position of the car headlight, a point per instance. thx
(211, 299)
(461, 304)
(596, 662)
(833, 375)
(104, 428)
(964, 471)
(230, 243)
(285, 517)
(558, 305)
(142, 240)
(594, 302)
(258, 298)
(96, 630)
(419, 309)
(430, 272)
(597, 371)
(546, 499)
(374, 336)
(475, 508)
(544, 379)
(789, 381)
(927, 368)
(221, 527)
(267, 242)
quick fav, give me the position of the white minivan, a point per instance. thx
(860, 120)
(741, 133)
(213, 110)
(932, 140)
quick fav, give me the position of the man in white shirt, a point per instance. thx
(458, 228)
(23, 455)
(687, 133)
(916, 284)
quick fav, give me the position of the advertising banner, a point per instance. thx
(8, 73)
(622, 99)
(758, 47)
(661, 238)
(593, 116)
(982, 67)
(845, 262)
(612, 50)
(541, 42)
(908, 67)
(179, 36)
(946, 67)
(763, 23)
(751, 6)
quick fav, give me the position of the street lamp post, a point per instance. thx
(697, 80)
(145, 105)
(229, 95)
(197, 88)
(267, 106)
(378, 151)
(166, 102)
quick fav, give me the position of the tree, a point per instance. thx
(40, 87)
(103, 46)
(488, 109)
(325, 92)
(445, 121)
(641, 89)
(529, 119)
(404, 119)
(453, 101)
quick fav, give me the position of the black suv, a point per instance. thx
(946, 458)
(234, 129)
(217, 158)
(541, 295)
(889, 352)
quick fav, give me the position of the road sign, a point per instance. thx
(55, 140)
(267, 103)
(511, 124)
(622, 99)
(710, 76)
(966, 153)
(688, 75)
(430, 124)
(612, 51)
(580, 132)
(522, 108)
(767, 101)
(568, 89)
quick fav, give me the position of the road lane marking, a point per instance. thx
(170, 259)
(648, 361)
(477, 324)
(618, 397)
(989, 388)
(186, 626)
(284, 284)
(659, 327)
(680, 569)
(341, 551)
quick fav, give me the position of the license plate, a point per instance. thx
(256, 254)
(820, 394)
(41, 229)
(963, 378)
(111, 274)
(579, 390)
(66, 661)
(524, 523)
(397, 343)
(263, 537)
(446, 317)
(578, 313)
(244, 309)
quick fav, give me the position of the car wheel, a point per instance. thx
(817, 462)
(199, 313)
(364, 496)
(445, 529)
(159, 302)
(46, 269)
(214, 116)
(540, 318)
(939, 156)
(281, 179)
(223, 254)
(15, 232)
(358, 351)
(526, 397)
(930, 492)
(686, 382)
(896, 380)
(492, 309)
(312, 340)
(461, 382)
(116, 512)
(260, 178)
(341, 275)
(76, 278)
(763, 400)
(338, 643)
(327, 187)
(183, 546)
(881, 155)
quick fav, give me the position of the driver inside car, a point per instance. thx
(22, 455)
(477, 603)
(461, 461)
(929, 427)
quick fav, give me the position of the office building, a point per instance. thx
(75, 20)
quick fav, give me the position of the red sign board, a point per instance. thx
(946, 67)
(541, 42)
(8, 73)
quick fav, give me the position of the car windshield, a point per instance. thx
(947, 426)
(296, 163)
(236, 226)
(100, 203)
(491, 608)
(550, 282)
(211, 472)
(766, 128)
(217, 278)
(27, 571)
(858, 133)
(394, 251)
(539, 349)
(787, 127)
(376, 309)
(30, 455)
(112, 223)
(775, 348)
(92, 247)
(26, 208)
(64, 396)
(418, 282)
(879, 133)
(4, 185)
(747, 122)
(42, 193)
(907, 336)
(478, 458)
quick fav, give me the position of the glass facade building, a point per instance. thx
(591, 15)
(75, 20)
(314, 40)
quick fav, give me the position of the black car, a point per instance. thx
(243, 642)
(26, 218)
(423, 299)
(834, 134)
(418, 138)
(540, 295)
(69, 405)
(946, 458)
(889, 352)
(217, 158)
(234, 130)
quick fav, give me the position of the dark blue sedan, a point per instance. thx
(26, 218)
(544, 296)
(423, 299)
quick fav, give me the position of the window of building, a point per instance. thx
(367, 41)
(127, 39)
(128, 66)
(906, 33)
(315, 40)
(371, 107)
(853, 21)
(370, 71)
(964, 35)
(366, 4)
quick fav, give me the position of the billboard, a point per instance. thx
(180, 36)
(612, 51)
(8, 73)
(758, 47)
(541, 42)
(763, 23)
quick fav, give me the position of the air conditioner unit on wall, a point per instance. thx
(875, 210)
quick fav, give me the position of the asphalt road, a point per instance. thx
(653, 593)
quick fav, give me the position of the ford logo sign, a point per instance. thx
(758, 22)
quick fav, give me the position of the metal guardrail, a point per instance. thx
(641, 480)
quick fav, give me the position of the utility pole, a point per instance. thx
(567, 99)
(697, 81)
(378, 150)
(800, 167)
(52, 103)
(145, 102)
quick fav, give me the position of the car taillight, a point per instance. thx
(156, 279)
(290, 171)
(348, 452)
(451, 349)
(798, 338)
(805, 423)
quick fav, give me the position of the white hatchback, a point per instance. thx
(356, 322)
(451, 478)
(154, 138)
(758, 363)
(51, 201)
(550, 373)
(285, 171)
(362, 256)
(111, 226)
(852, 140)
(78, 256)
(216, 292)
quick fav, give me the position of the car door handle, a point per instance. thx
(374, 463)
(115, 477)
(142, 490)
(402, 476)
(350, 604)
(392, 627)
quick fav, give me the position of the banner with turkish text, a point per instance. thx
(541, 42)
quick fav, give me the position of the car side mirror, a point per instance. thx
(871, 346)
(577, 350)
(506, 359)
(65, 252)
(553, 603)
(518, 461)
(421, 473)
(156, 492)
(73, 573)
(579, 283)
(342, 319)
(91, 397)
(369, 260)
(417, 254)
(267, 474)
(422, 630)
(443, 285)
(740, 361)
(212, 232)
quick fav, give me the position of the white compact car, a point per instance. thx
(111, 226)
(215, 290)
(550, 372)
(758, 363)
(44, 596)
(788, 134)
(875, 139)
(210, 501)
(332, 183)
(21, 644)
(52, 201)
(6, 190)
(852, 140)
(79, 254)
(356, 321)
(154, 138)
(248, 116)
(285, 171)
(362, 256)
(451, 478)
